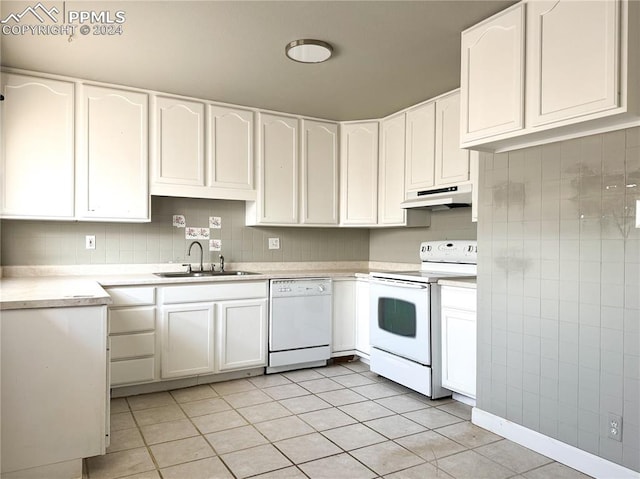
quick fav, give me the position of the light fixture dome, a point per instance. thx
(308, 51)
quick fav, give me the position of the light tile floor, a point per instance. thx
(337, 422)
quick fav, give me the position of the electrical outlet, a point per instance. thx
(274, 243)
(614, 426)
(90, 242)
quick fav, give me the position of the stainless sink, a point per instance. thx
(199, 274)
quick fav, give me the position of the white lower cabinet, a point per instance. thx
(208, 328)
(187, 340)
(363, 340)
(241, 334)
(458, 314)
(344, 317)
(132, 333)
(54, 390)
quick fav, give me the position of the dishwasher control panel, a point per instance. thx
(300, 287)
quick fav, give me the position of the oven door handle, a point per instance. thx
(399, 283)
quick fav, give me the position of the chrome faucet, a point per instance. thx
(221, 263)
(201, 253)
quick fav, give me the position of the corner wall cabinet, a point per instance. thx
(112, 168)
(319, 173)
(359, 174)
(391, 172)
(533, 74)
(37, 147)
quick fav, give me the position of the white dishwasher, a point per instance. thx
(299, 323)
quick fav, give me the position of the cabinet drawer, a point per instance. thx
(132, 345)
(132, 371)
(458, 298)
(214, 292)
(129, 320)
(132, 296)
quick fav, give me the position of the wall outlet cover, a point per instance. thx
(90, 242)
(614, 427)
(274, 243)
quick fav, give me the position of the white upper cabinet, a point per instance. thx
(573, 58)
(178, 142)
(452, 162)
(112, 169)
(319, 172)
(391, 171)
(37, 147)
(492, 75)
(420, 147)
(201, 150)
(297, 172)
(550, 70)
(278, 167)
(230, 154)
(359, 174)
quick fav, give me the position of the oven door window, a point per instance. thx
(397, 317)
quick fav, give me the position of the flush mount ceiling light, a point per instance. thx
(308, 51)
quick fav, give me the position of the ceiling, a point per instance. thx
(388, 55)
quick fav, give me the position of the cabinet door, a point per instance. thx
(459, 351)
(391, 172)
(492, 75)
(359, 174)
(363, 340)
(421, 147)
(573, 66)
(344, 317)
(452, 162)
(178, 128)
(113, 162)
(278, 159)
(187, 340)
(230, 155)
(37, 147)
(319, 173)
(241, 334)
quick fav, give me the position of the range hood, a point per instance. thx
(443, 198)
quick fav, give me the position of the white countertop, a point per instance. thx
(459, 282)
(63, 291)
(51, 292)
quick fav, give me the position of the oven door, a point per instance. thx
(400, 318)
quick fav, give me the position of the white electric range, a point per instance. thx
(405, 315)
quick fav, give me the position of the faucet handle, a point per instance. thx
(188, 265)
(213, 268)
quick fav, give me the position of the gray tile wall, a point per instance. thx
(402, 244)
(58, 243)
(559, 288)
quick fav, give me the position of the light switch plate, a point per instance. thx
(274, 243)
(90, 242)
